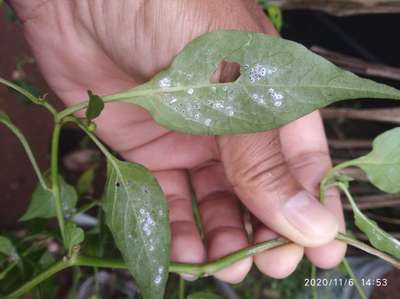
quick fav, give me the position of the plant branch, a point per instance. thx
(29, 96)
(360, 290)
(55, 181)
(29, 152)
(185, 268)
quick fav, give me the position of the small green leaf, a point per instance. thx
(377, 237)
(42, 203)
(74, 235)
(137, 215)
(204, 295)
(280, 81)
(382, 164)
(275, 15)
(7, 248)
(85, 181)
(96, 105)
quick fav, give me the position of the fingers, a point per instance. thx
(256, 167)
(222, 220)
(186, 244)
(278, 262)
(305, 148)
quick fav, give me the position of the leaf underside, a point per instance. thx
(137, 215)
(382, 164)
(42, 204)
(280, 81)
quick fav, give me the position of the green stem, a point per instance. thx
(30, 96)
(55, 142)
(61, 265)
(181, 288)
(185, 268)
(29, 153)
(314, 293)
(327, 181)
(360, 290)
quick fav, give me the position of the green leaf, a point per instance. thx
(377, 237)
(382, 164)
(85, 181)
(137, 215)
(7, 248)
(275, 15)
(74, 235)
(204, 295)
(42, 204)
(95, 107)
(280, 81)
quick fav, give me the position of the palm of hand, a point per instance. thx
(87, 46)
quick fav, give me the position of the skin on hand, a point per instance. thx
(107, 46)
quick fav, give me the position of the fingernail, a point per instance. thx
(310, 218)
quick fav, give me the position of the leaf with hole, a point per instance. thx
(137, 215)
(382, 164)
(279, 82)
(96, 105)
(42, 204)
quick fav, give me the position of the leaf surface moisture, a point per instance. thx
(280, 81)
(137, 215)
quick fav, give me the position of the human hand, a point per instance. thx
(107, 46)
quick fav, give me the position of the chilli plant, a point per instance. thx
(279, 82)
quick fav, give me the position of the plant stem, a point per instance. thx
(326, 182)
(28, 151)
(55, 142)
(184, 268)
(360, 290)
(31, 97)
(181, 288)
(366, 248)
(61, 265)
(314, 293)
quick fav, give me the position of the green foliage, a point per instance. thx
(280, 81)
(95, 106)
(7, 248)
(74, 235)
(137, 215)
(85, 182)
(382, 164)
(42, 204)
(378, 237)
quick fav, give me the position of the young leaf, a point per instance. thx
(42, 203)
(137, 215)
(382, 164)
(7, 248)
(95, 107)
(74, 235)
(204, 295)
(377, 237)
(280, 81)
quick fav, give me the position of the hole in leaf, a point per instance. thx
(117, 184)
(227, 71)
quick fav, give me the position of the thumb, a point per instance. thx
(256, 168)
